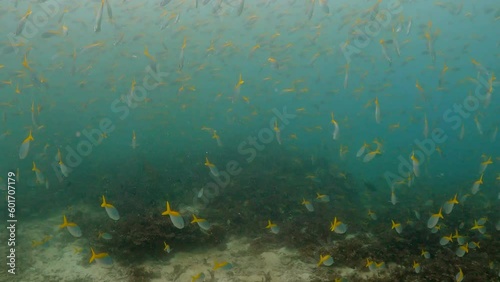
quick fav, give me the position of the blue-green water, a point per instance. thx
(138, 103)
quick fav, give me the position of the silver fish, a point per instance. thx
(98, 19)
(164, 2)
(22, 22)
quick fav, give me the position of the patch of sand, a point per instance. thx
(281, 264)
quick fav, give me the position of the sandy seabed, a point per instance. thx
(64, 258)
(56, 262)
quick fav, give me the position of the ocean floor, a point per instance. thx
(53, 255)
(60, 260)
